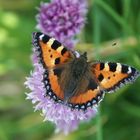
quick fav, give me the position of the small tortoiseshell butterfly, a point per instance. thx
(74, 81)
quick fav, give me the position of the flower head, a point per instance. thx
(62, 19)
(66, 120)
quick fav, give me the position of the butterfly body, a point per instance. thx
(75, 77)
(75, 81)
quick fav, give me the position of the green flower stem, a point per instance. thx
(99, 126)
(96, 41)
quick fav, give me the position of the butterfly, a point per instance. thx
(75, 81)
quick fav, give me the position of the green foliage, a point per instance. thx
(119, 117)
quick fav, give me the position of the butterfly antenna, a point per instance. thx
(84, 55)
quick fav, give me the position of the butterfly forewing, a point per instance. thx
(51, 52)
(111, 76)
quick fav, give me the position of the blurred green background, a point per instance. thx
(109, 22)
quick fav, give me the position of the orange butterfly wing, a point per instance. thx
(51, 53)
(111, 76)
(87, 99)
(91, 96)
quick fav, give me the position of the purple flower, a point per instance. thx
(62, 19)
(66, 120)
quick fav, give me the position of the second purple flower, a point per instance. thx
(62, 19)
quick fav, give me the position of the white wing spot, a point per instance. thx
(129, 70)
(106, 67)
(119, 68)
(41, 36)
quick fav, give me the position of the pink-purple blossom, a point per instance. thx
(62, 19)
(64, 117)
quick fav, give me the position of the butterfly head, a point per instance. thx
(84, 56)
(79, 65)
(81, 61)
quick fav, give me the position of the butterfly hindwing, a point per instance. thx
(92, 94)
(86, 99)
(111, 76)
